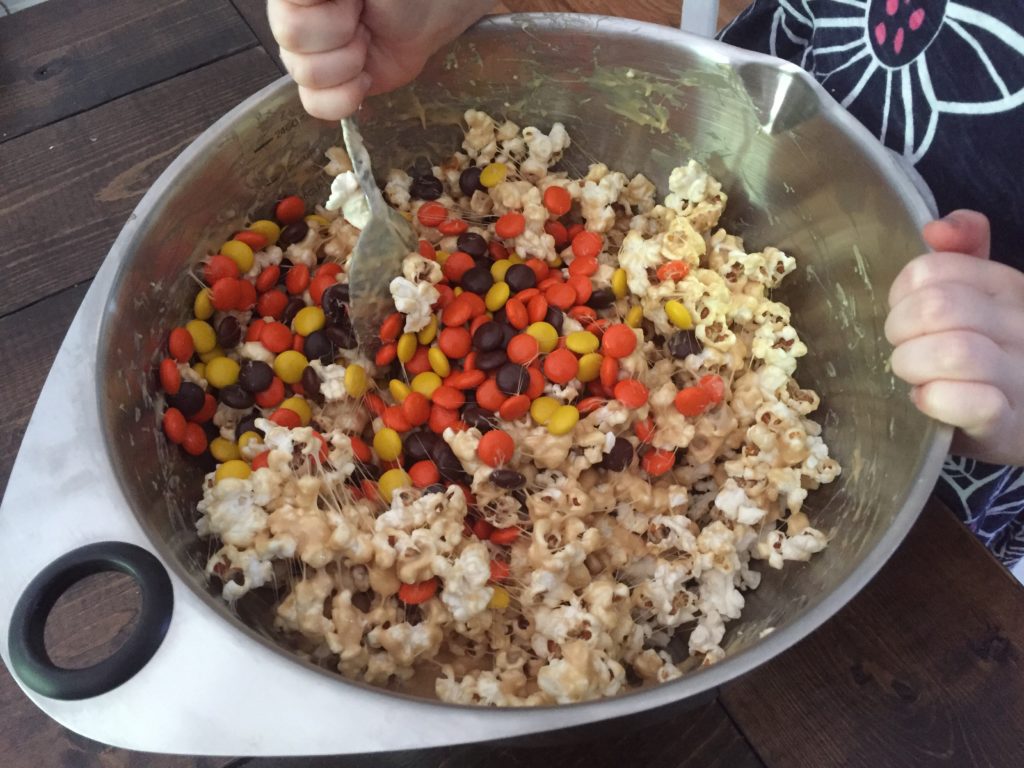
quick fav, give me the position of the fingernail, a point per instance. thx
(365, 81)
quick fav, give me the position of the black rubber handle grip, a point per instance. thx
(27, 647)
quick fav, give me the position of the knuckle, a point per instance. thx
(286, 27)
(936, 306)
(957, 352)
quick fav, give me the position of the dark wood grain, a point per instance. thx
(87, 172)
(28, 343)
(701, 738)
(92, 619)
(93, 52)
(923, 669)
(255, 14)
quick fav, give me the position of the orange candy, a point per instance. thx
(449, 397)
(219, 266)
(693, 401)
(424, 473)
(560, 295)
(452, 227)
(194, 441)
(391, 328)
(458, 312)
(318, 285)
(499, 570)
(489, 397)
(297, 279)
(469, 379)
(583, 287)
(673, 270)
(268, 278)
(505, 535)
(360, 449)
(496, 448)
(276, 337)
(420, 362)
(290, 210)
(386, 354)
(586, 244)
(431, 214)
(456, 343)
(457, 265)
(271, 304)
(561, 366)
(657, 463)
(170, 377)
(558, 231)
(522, 349)
(557, 200)
(416, 408)
(394, 417)
(590, 404)
(618, 341)
(583, 265)
(630, 392)
(644, 429)
(515, 407)
(608, 374)
(714, 386)
(537, 383)
(375, 403)
(509, 225)
(272, 396)
(174, 425)
(226, 293)
(180, 345)
(441, 418)
(414, 594)
(205, 413)
(516, 314)
(254, 240)
(286, 417)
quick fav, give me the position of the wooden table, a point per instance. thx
(924, 668)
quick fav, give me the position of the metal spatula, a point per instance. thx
(383, 243)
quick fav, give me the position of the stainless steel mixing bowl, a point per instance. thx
(801, 175)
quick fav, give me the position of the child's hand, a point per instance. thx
(338, 51)
(957, 323)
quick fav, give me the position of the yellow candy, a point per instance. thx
(556, 261)
(391, 481)
(441, 257)
(398, 389)
(407, 345)
(515, 258)
(499, 600)
(678, 315)
(223, 449)
(545, 334)
(240, 253)
(543, 408)
(309, 320)
(387, 444)
(214, 353)
(499, 268)
(202, 307)
(439, 362)
(497, 295)
(234, 468)
(590, 367)
(635, 316)
(301, 407)
(316, 218)
(429, 333)
(458, 290)
(249, 438)
(222, 372)
(582, 342)
(620, 286)
(200, 369)
(425, 383)
(204, 338)
(563, 420)
(268, 229)
(407, 215)
(289, 366)
(492, 175)
(355, 380)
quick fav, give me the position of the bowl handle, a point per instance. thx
(699, 17)
(29, 658)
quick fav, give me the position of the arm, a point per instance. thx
(339, 51)
(957, 323)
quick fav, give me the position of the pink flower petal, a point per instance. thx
(880, 33)
(891, 6)
(897, 41)
(917, 19)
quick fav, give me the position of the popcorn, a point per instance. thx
(594, 571)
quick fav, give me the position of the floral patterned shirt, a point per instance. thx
(942, 83)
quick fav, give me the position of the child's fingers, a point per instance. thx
(953, 307)
(977, 408)
(961, 232)
(986, 276)
(953, 356)
(337, 102)
(326, 70)
(313, 29)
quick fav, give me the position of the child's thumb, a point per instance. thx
(960, 232)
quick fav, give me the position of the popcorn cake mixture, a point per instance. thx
(579, 432)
